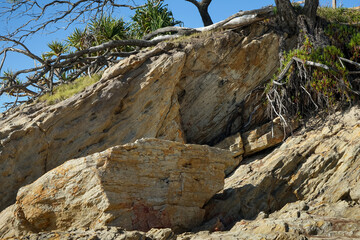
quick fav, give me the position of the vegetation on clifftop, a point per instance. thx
(319, 77)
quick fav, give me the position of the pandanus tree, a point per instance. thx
(103, 41)
(153, 16)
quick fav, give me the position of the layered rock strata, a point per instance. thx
(309, 186)
(199, 91)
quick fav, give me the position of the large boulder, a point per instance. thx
(138, 186)
(199, 90)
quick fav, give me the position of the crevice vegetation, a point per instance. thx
(64, 91)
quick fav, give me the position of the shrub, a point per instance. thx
(339, 15)
(306, 87)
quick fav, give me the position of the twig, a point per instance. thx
(310, 63)
(349, 61)
(286, 69)
(310, 97)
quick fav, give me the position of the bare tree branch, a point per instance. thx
(196, 3)
(36, 13)
(67, 67)
(174, 29)
(349, 61)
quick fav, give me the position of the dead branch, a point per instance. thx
(49, 72)
(177, 30)
(310, 63)
(261, 13)
(349, 61)
(35, 13)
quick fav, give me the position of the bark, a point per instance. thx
(287, 14)
(310, 9)
(203, 10)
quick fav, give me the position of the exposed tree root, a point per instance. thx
(291, 97)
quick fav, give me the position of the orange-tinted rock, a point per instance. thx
(148, 184)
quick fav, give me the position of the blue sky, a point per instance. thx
(182, 10)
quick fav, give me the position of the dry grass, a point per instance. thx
(65, 91)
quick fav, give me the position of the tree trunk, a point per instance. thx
(310, 9)
(203, 10)
(287, 14)
(205, 16)
(334, 4)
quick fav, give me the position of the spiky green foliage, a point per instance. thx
(98, 31)
(8, 74)
(107, 28)
(57, 48)
(80, 39)
(153, 16)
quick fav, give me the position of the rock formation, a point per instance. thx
(307, 186)
(143, 153)
(138, 186)
(196, 91)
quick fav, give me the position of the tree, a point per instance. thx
(321, 72)
(107, 28)
(57, 48)
(286, 13)
(153, 16)
(100, 44)
(310, 9)
(334, 3)
(203, 10)
(289, 18)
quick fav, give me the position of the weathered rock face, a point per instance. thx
(195, 92)
(267, 136)
(296, 221)
(108, 233)
(203, 91)
(309, 186)
(263, 137)
(146, 184)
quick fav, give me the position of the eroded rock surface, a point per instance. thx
(197, 91)
(307, 187)
(142, 185)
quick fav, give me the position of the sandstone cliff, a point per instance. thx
(137, 155)
(193, 92)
